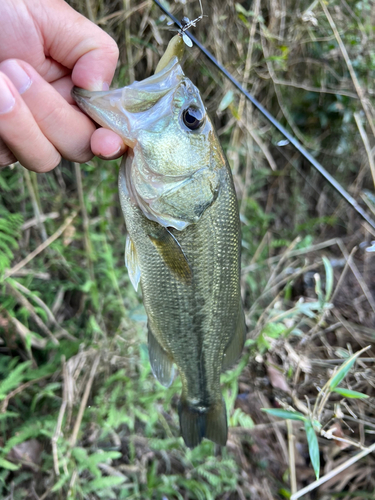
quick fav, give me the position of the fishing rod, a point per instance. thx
(274, 122)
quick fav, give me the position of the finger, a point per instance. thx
(76, 42)
(21, 134)
(6, 156)
(67, 128)
(107, 144)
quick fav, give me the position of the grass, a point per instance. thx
(81, 415)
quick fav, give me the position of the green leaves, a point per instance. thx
(103, 483)
(10, 225)
(347, 393)
(312, 442)
(14, 379)
(344, 369)
(287, 414)
(241, 419)
(311, 422)
(5, 464)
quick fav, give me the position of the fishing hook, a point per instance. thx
(275, 123)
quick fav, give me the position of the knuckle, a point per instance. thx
(6, 156)
(6, 159)
(51, 115)
(84, 156)
(112, 48)
(46, 165)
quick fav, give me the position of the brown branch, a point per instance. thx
(349, 65)
(41, 247)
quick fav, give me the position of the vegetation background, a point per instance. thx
(81, 416)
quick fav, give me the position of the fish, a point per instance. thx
(183, 241)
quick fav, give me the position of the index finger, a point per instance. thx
(77, 43)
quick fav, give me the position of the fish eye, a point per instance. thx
(193, 118)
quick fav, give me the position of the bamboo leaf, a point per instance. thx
(329, 278)
(5, 464)
(290, 415)
(344, 369)
(226, 100)
(347, 393)
(312, 442)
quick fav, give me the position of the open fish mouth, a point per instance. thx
(127, 110)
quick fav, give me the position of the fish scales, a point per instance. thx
(181, 213)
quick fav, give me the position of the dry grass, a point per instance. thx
(298, 61)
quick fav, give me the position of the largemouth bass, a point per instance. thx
(183, 235)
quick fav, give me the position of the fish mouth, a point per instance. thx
(128, 110)
(105, 109)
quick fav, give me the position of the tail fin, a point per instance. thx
(211, 424)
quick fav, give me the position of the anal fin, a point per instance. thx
(161, 363)
(234, 348)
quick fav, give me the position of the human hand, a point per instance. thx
(46, 47)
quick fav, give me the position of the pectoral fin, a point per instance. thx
(132, 263)
(171, 252)
(161, 364)
(234, 348)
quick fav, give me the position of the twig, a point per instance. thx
(43, 217)
(25, 333)
(85, 397)
(123, 14)
(292, 462)
(241, 106)
(284, 257)
(42, 305)
(333, 472)
(366, 143)
(129, 53)
(256, 428)
(349, 65)
(57, 432)
(85, 220)
(358, 275)
(90, 12)
(41, 247)
(26, 272)
(319, 90)
(26, 304)
(284, 109)
(261, 144)
(35, 205)
(293, 253)
(19, 389)
(343, 274)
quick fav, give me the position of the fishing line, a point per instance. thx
(276, 124)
